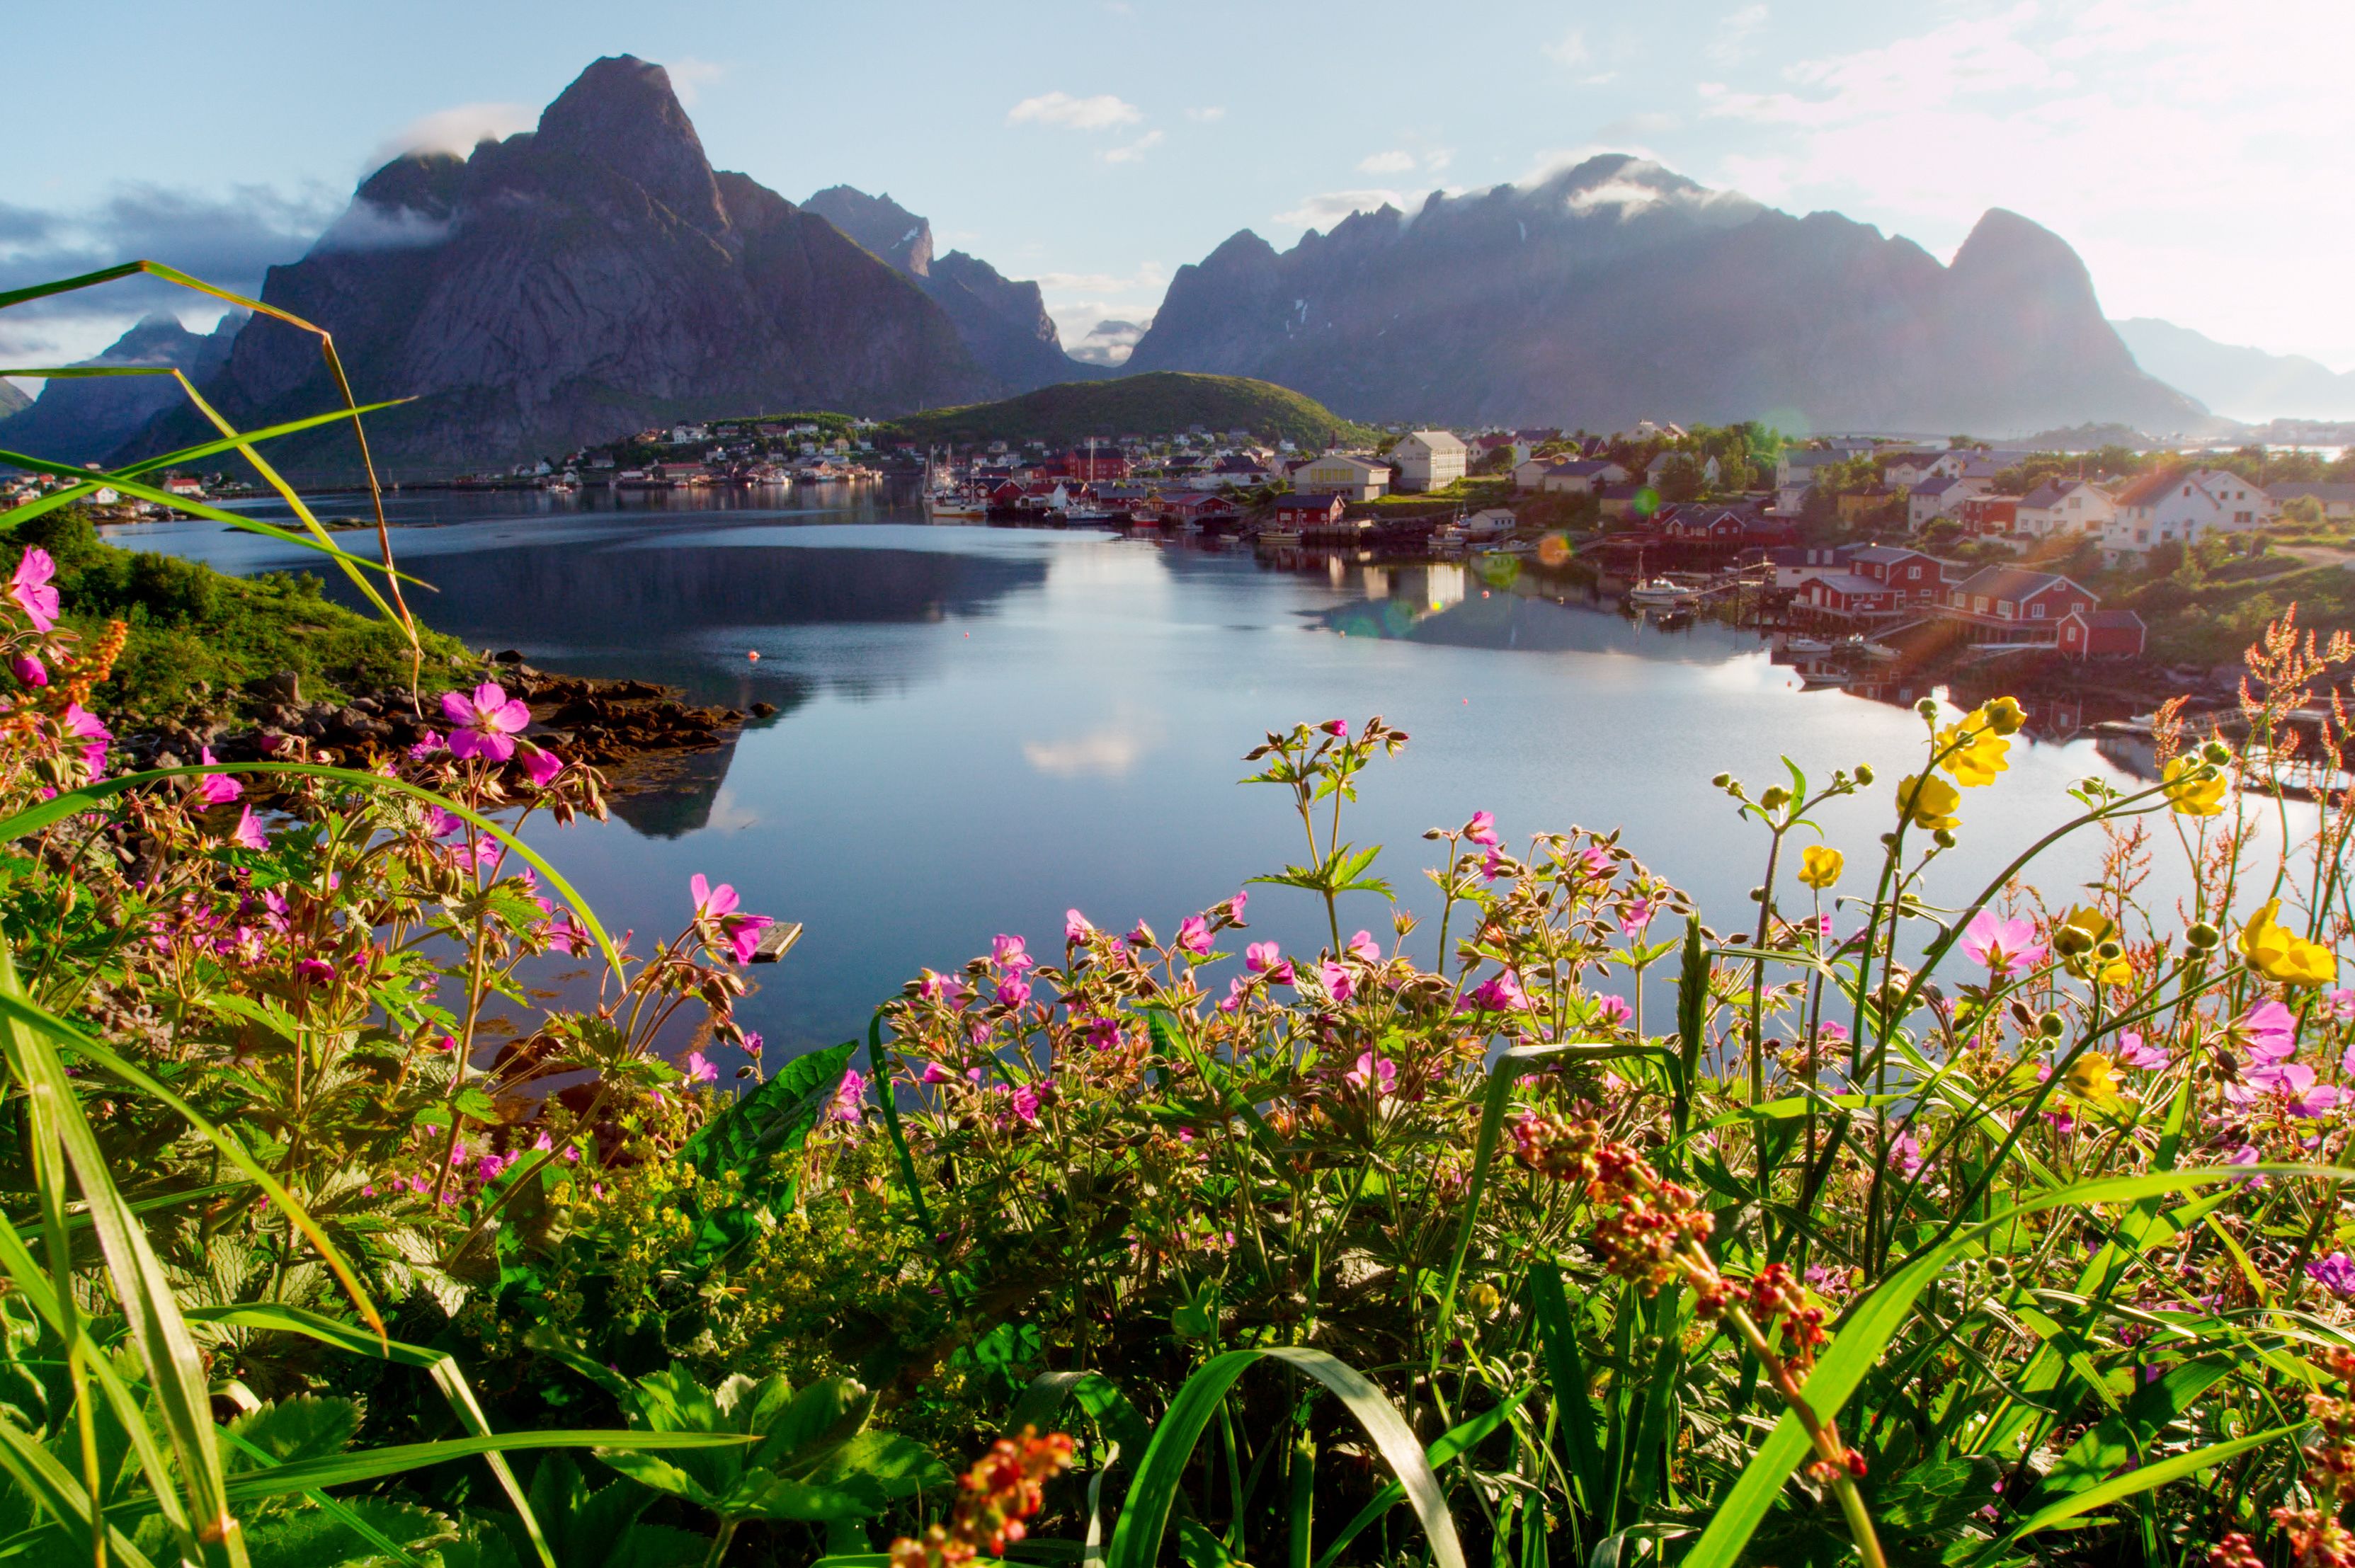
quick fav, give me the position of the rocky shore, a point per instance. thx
(625, 728)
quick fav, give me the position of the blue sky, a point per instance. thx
(2193, 150)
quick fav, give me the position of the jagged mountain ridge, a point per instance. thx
(2244, 383)
(1617, 291)
(1004, 322)
(77, 419)
(571, 283)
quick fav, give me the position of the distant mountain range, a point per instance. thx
(84, 419)
(1617, 291)
(597, 275)
(1158, 402)
(2240, 383)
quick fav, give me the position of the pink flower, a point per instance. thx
(216, 789)
(1613, 1011)
(1636, 913)
(699, 1070)
(1238, 988)
(492, 1166)
(427, 743)
(30, 670)
(2005, 947)
(1595, 861)
(711, 903)
(29, 587)
(1832, 1033)
(86, 726)
(1076, 928)
(850, 1099)
(1330, 726)
(1482, 829)
(1338, 984)
(248, 832)
(935, 1072)
(1026, 1104)
(2335, 1274)
(440, 823)
(487, 722)
(543, 1143)
(1501, 994)
(1236, 904)
(1103, 1033)
(1193, 935)
(541, 765)
(1905, 1155)
(741, 932)
(2134, 1052)
(316, 971)
(566, 936)
(752, 1043)
(1011, 952)
(1497, 865)
(1379, 1074)
(1363, 946)
(1142, 936)
(1013, 991)
(1261, 957)
(2341, 1005)
(2268, 1032)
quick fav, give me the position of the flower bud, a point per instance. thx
(1927, 707)
(1757, 896)
(2109, 952)
(1723, 781)
(1944, 837)
(2202, 937)
(1864, 773)
(2051, 1025)
(1774, 798)
(2217, 752)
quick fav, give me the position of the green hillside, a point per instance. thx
(1160, 403)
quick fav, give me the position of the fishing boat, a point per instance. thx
(1279, 539)
(1660, 593)
(953, 506)
(1811, 678)
(1806, 645)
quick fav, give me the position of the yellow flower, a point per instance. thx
(1928, 801)
(1819, 866)
(2089, 1079)
(2278, 953)
(2188, 793)
(2003, 715)
(1973, 751)
(2075, 939)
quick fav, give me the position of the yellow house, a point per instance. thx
(1338, 473)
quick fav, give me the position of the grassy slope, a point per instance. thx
(2212, 622)
(190, 623)
(1160, 403)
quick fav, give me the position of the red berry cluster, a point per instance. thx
(1004, 1487)
(1650, 1231)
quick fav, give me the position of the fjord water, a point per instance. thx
(980, 728)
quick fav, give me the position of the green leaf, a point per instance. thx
(1136, 1540)
(901, 1466)
(305, 1427)
(2120, 1439)
(2140, 1480)
(774, 1119)
(354, 1533)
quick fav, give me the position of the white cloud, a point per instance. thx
(1569, 49)
(1393, 162)
(455, 130)
(1732, 41)
(1329, 207)
(1077, 301)
(1108, 753)
(1208, 113)
(688, 75)
(1101, 113)
(1129, 151)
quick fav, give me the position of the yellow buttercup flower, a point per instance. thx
(1973, 751)
(2278, 953)
(1928, 801)
(2090, 1078)
(2003, 715)
(1819, 866)
(2191, 794)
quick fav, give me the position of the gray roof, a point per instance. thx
(2331, 494)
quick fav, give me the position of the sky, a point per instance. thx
(2193, 150)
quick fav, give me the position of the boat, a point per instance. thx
(1661, 591)
(1824, 677)
(1279, 539)
(949, 506)
(1810, 645)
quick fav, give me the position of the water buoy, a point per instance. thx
(754, 655)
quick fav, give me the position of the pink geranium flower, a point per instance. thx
(1363, 947)
(216, 789)
(1076, 928)
(2134, 1052)
(2341, 1005)
(30, 670)
(1338, 984)
(1613, 1010)
(1501, 994)
(1379, 1074)
(2267, 1031)
(1482, 829)
(849, 1098)
(741, 932)
(86, 726)
(1025, 1100)
(541, 765)
(1013, 991)
(2005, 947)
(1193, 935)
(1905, 1155)
(1011, 952)
(1237, 989)
(440, 823)
(1330, 726)
(248, 832)
(1236, 904)
(935, 1072)
(487, 722)
(1261, 957)
(699, 1069)
(31, 591)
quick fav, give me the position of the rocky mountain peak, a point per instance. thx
(621, 114)
(2006, 250)
(881, 225)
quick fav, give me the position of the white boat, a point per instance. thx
(954, 508)
(1810, 645)
(1279, 539)
(1661, 591)
(1824, 678)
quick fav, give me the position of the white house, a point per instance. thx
(1936, 498)
(1658, 468)
(1490, 522)
(1581, 476)
(2337, 501)
(1339, 473)
(2068, 506)
(2183, 508)
(1795, 476)
(1429, 460)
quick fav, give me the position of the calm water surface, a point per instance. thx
(981, 727)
